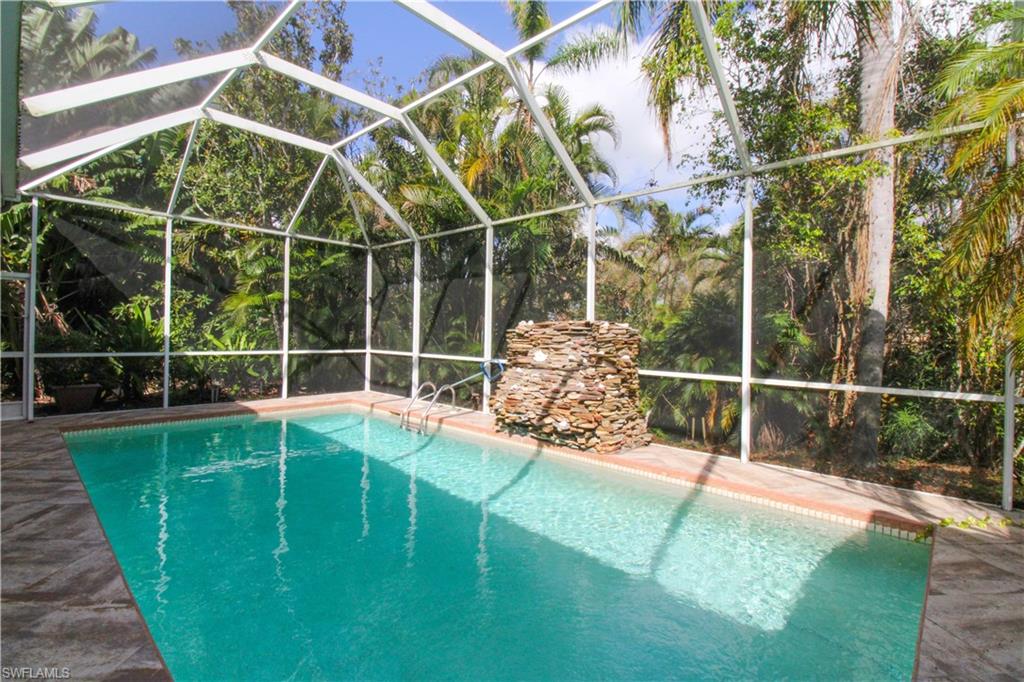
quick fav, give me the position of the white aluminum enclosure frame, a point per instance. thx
(79, 152)
(25, 343)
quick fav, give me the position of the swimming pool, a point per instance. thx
(338, 546)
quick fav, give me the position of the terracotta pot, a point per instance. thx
(76, 397)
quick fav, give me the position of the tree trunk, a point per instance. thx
(880, 57)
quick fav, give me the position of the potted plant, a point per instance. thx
(74, 383)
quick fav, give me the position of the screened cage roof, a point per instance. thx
(165, 77)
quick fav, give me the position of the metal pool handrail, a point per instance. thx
(405, 413)
(486, 371)
(447, 387)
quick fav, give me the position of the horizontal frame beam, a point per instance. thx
(121, 135)
(178, 217)
(494, 223)
(395, 353)
(825, 386)
(453, 358)
(266, 131)
(315, 80)
(185, 353)
(65, 4)
(882, 390)
(867, 146)
(137, 81)
(955, 396)
(708, 179)
(692, 182)
(205, 353)
(690, 376)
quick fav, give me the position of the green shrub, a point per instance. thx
(908, 433)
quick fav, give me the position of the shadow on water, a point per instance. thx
(523, 472)
(428, 440)
(679, 515)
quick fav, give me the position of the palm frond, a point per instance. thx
(586, 52)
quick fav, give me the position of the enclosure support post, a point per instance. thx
(30, 318)
(368, 321)
(488, 311)
(168, 252)
(748, 317)
(591, 263)
(1009, 383)
(285, 326)
(416, 287)
(168, 257)
(27, 311)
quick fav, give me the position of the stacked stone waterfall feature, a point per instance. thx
(574, 383)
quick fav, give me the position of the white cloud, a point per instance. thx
(618, 85)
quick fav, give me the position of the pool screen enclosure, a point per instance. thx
(333, 171)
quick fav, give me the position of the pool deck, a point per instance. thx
(973, 624)
(65, 602)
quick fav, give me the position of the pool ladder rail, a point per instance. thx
(406, 421)
(432, 396)
(435, 393)
(433, 401)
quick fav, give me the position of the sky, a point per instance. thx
(380, 28)
(404, 45)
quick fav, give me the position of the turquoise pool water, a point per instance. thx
(336, 546)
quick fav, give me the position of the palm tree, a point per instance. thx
(483, 133)
(488, 136)
(676, 257)
(879, 51)
(530, 17)
(984, 83)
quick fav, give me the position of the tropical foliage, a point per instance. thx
(984, 85)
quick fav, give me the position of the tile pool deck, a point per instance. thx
(65, 603)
